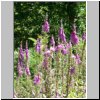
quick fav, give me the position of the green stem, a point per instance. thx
(57, 71)
(49, 77)
(62, 79)
(83, 50)
(36, 94)
(67, 87)
(42, 80)
(45, 78)
(82, 56)
(63, 65)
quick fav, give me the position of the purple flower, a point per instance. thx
(72, 70)
(38, 46)
(26, 50)
(20, 61)
(52, 41)
(62, 34)
(77, 57)
(52, 49)
(84, 36)
(47, 53)
(36, 79)
(45, 26)
(27, 71)
(26, 53)
(59, 47)
(74, 38)
(21, 52)
(68, 45)
(20, 72)
(45, 63)
(63, 37)
(21, 56)
(64, 51)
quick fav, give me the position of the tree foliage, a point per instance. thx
(29, 17)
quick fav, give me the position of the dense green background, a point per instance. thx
(29, 17)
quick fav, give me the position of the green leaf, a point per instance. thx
(32, 39)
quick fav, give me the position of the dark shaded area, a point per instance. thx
(29, 17)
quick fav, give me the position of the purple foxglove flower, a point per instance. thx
(47, 53)
(20, 72)
(38, 46)
(62, 34)
(69, 45)
(21, 56)
(21, 52)
(45, 63)
(52, 41)
(26, 50)
(74, 38)
(36, 79)
(84, 36)
(63, 37)
(77, 57)
(27, 71)
(26, 53)
(52, 49)
(64, 51)
(45, 26)
(72, 70)
(20, 61)
(59, 47)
